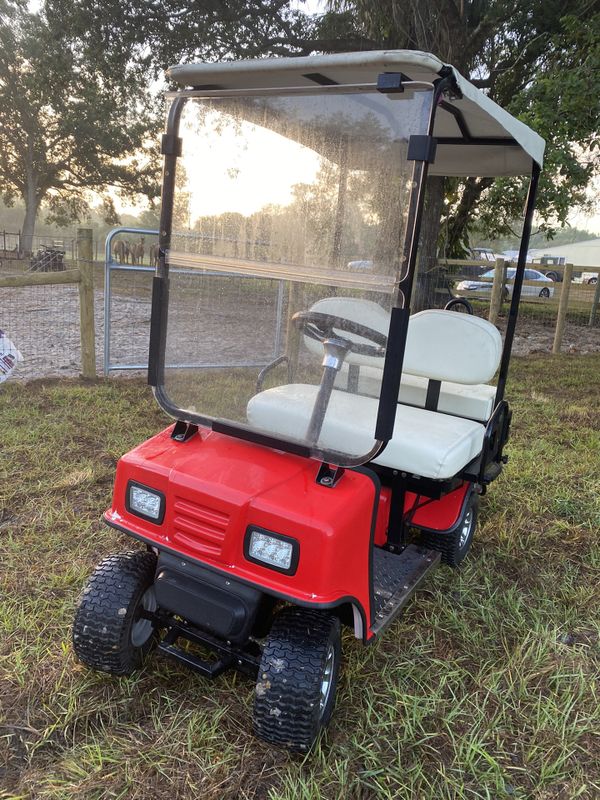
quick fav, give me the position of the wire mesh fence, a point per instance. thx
(43, 323)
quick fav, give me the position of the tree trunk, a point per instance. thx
(428, 276)
(32, 205)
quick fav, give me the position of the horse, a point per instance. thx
(153, 253)
(137, 251)
(121, 251)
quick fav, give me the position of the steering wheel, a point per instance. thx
(321, 327)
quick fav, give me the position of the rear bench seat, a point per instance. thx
(442, 345)
(474, 401)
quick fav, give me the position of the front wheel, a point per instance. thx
(545, 292)
(593, 281)
(455, 544)
(297, 679)
(110, 633)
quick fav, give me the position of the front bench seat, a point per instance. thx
(424, 443)
(442, 345)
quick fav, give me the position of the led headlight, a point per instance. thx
(272, 550)
(146, 503)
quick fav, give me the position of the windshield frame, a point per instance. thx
(401, 294)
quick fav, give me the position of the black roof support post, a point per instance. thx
(518, 285)
(398, 331)
(171, 148)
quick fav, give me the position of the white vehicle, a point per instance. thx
(547, 290)
(361, 264)
(589, 277)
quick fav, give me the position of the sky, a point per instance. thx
(241, 169)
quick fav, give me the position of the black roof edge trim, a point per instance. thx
(479, 140)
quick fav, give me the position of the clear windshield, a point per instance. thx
(283, 205)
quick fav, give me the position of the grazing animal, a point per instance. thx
(153, 253)
(121, 251)
(137, 251)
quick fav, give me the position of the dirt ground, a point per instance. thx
(44, 324)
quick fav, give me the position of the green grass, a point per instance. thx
(486, 688)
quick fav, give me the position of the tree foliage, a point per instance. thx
(78, 75)
(68, 125)
(538, 60)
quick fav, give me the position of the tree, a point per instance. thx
(69, 124)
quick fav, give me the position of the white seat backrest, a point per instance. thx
(448, 346)
(365, 312)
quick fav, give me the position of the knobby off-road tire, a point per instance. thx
(108, 633)
(297, 679)
(455, 546)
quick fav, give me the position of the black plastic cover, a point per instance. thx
(170, 145)
(216, 603)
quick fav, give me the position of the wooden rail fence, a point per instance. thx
(570, 293)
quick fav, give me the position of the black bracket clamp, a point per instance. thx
(391, 82)
(171, 145)
(421, 148)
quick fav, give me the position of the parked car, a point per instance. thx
(546, 290)
(589, 277)
(363, 263)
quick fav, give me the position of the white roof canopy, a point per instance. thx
(461, 132)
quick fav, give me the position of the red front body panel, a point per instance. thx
(215, 486)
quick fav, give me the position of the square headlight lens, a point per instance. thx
(145, 502)
(271, 550)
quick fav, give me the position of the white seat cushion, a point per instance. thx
(475, 401)
(424, 443)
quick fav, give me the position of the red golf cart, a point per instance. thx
(329, 448)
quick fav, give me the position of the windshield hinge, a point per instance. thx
(329, 475)
(183, 430)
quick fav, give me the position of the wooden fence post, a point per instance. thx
(86, 302)
(293, 334)
(563, 305)
(595, 303)
(497, 290)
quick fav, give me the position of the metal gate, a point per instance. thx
(133, 300)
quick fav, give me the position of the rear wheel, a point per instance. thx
(297, 679)
(109, 632)
(545, 292)
(593, 281)
(455, 545)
